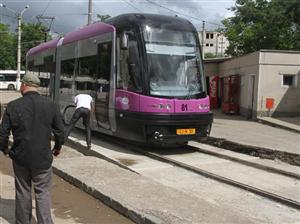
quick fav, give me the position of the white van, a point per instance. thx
(8, 79)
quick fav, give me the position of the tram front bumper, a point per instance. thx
(165, 127)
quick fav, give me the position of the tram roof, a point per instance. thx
(43, 46)
(140, 19)
(83, 33)
(88, 31)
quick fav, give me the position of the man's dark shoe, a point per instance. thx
(89, 147)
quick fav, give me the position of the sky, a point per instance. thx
(72, 14)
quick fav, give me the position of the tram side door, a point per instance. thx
(103, 84)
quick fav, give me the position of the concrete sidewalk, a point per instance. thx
(237, 129)
(288, 123)
(145, 200)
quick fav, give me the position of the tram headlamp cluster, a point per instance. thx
(162, 106)
(204, 106)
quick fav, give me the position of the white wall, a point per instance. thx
(286, 99)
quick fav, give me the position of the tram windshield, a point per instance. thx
(174, 63)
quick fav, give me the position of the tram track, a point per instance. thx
(272, 196)
(203, 172)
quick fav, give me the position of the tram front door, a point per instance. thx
(103, 85)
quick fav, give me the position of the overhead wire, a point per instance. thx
(180, 13)
(46, 7)
(130, 4)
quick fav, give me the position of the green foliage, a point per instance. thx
(263, 24)
(7, 50)
(209, 55)
(32, 35)
(102, 18)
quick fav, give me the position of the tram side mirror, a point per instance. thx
(124, 41)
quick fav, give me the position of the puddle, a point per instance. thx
(127, 162)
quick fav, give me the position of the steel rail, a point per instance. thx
(269, 195)
(134, 148)
(248, 163)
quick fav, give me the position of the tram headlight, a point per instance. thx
(168, 107)
(204, 106)
(125, 100)
(162, 106)
(125, 103)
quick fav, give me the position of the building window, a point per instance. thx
(211, 45)
(207, 45)
(211, 36)
(289, 80)
(207, 36)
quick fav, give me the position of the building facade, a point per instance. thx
(268, 82)
(214, 42)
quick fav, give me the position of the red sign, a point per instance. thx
(269, 103)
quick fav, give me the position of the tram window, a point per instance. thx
(67, 73)
(129, 75)
(104, 53)
(49, 64)
(86, 74)
(32, 69)
(45, 71)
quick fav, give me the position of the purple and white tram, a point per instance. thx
(144, 71)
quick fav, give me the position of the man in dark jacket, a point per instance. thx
(31, 119)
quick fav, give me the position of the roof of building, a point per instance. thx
(216, 60)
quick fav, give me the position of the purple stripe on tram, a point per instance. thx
(88, 31)
(44, 46)
(129, 101)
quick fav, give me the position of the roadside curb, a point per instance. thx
(265, 153)
(277, 125)
(122, 209)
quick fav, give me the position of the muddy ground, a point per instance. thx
(69, 204)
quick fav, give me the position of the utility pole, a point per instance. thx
(19, 18)
(19, 52)
(39, 18)
(90, 12)
(203, 35)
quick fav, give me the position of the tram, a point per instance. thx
(144, 72)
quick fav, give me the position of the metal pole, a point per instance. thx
(19, 53)
(203, 35)
(217, 44)
(90, 12)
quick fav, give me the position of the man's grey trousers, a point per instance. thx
(41, 181)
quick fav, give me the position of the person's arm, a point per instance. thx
(76, 100)
(92, 106)
(5, 128)
(58, 130)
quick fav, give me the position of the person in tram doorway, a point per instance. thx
(84, 105)
(32, 118)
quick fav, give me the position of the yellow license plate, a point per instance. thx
(187, 131)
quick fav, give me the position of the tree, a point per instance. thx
(7, 50)
(102, 18)
(32, 35)
(263, 24)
